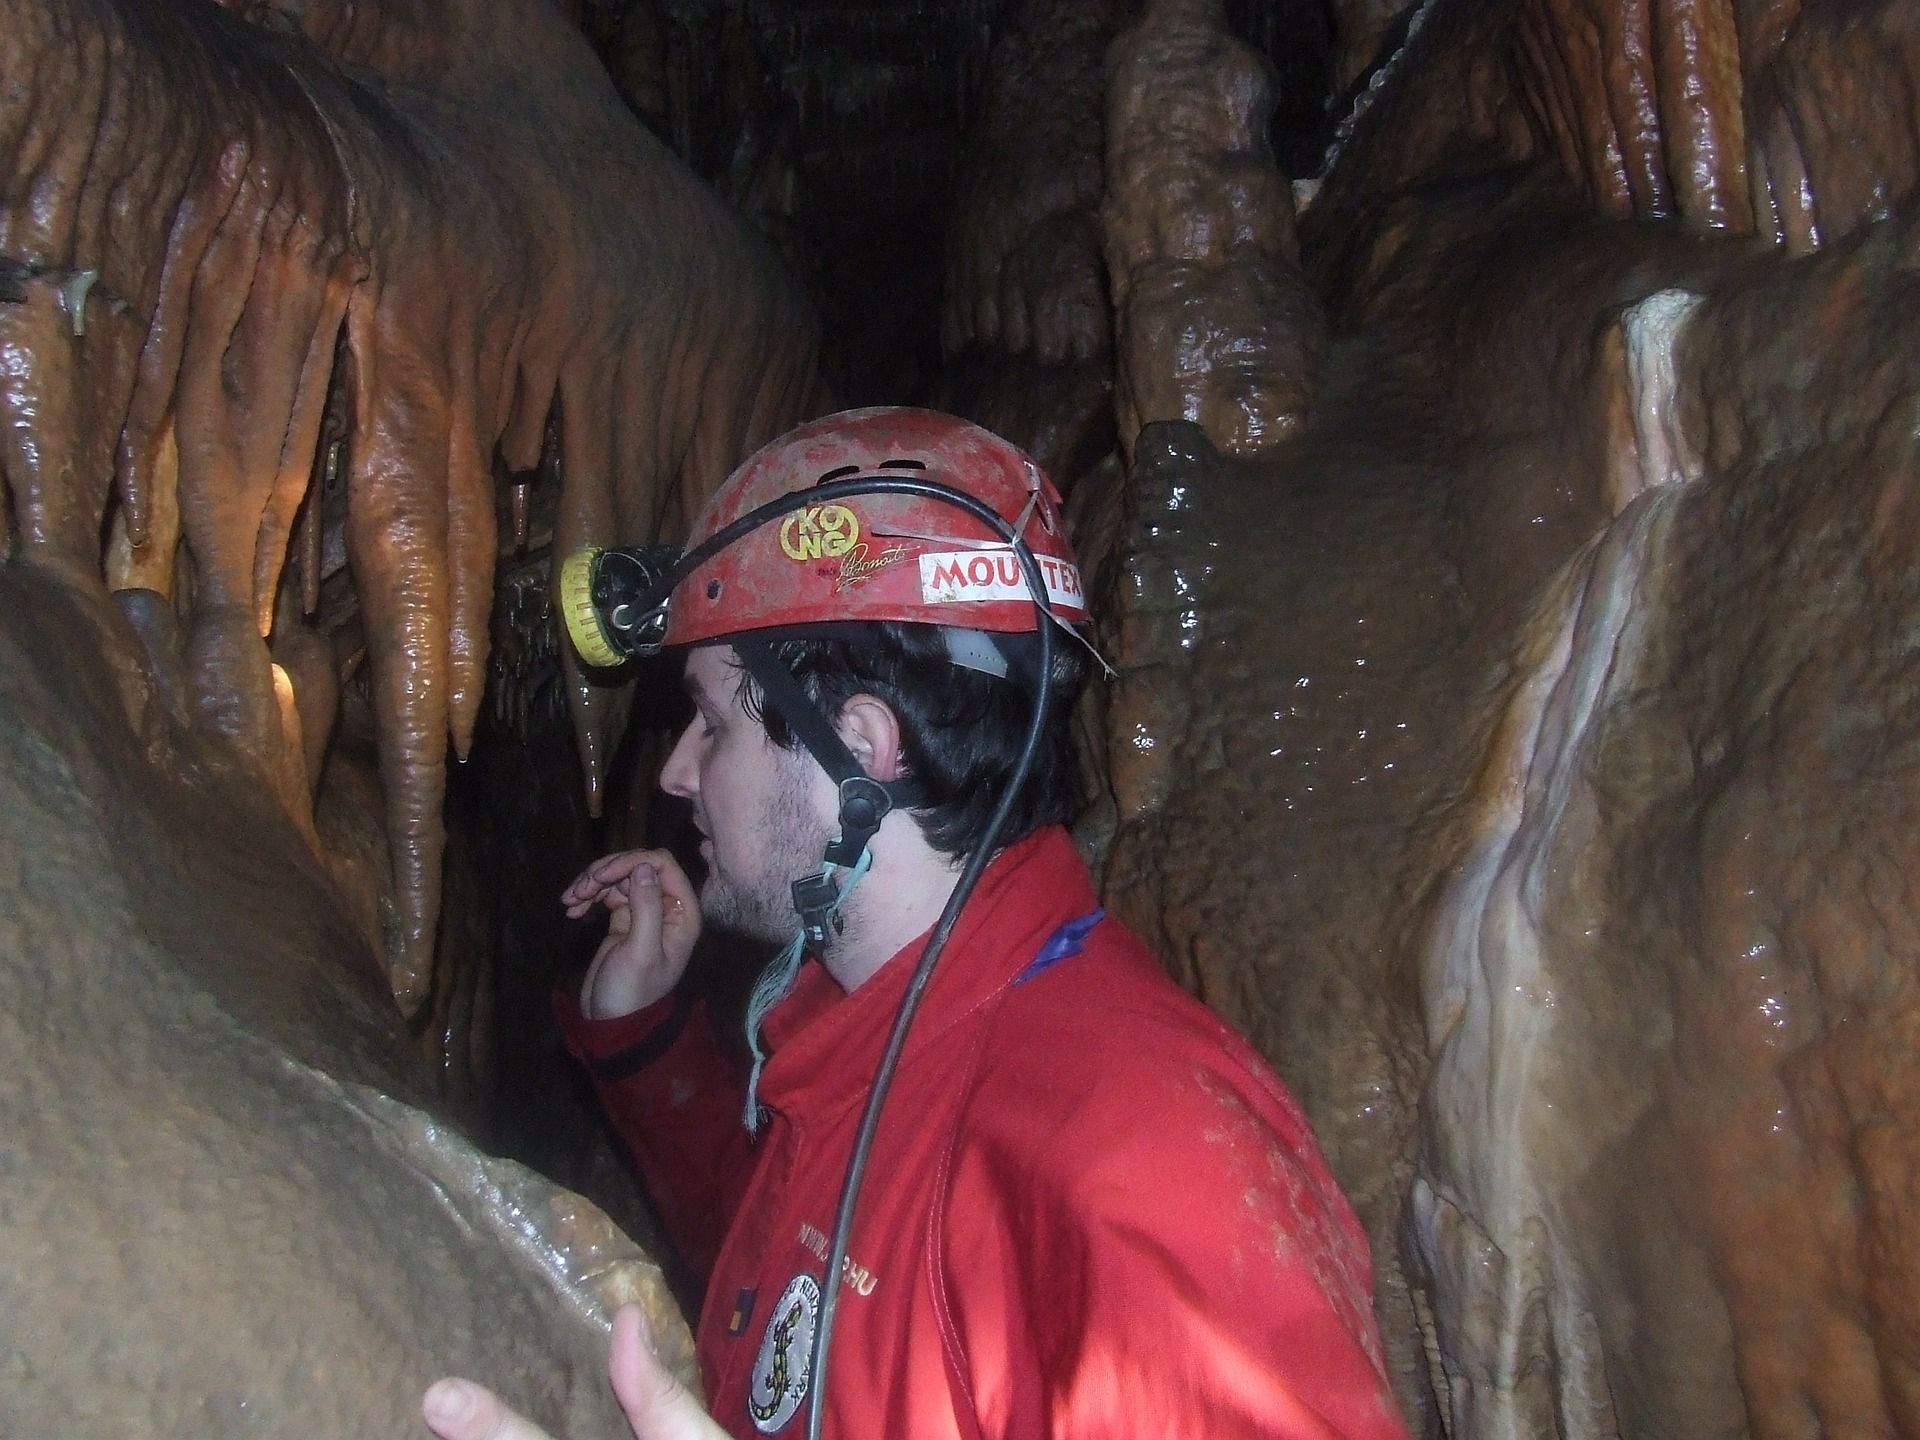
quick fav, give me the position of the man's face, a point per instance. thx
(755, 804)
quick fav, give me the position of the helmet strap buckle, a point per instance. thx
(816, 899)
(864, 803)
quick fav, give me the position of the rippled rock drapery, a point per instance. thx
(1531, 776)
(1668, 1140)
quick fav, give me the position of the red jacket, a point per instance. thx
(1091, 1210)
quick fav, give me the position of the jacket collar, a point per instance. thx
(826, 1043)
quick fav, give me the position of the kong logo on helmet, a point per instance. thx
(819, 532)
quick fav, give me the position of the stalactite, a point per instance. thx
(153, 563)
(309, 533)
(1023, 261)
(472, 543)
(396, 542)
(1730, 115)
(305, 426)
(1698, 52)
(150, 408)
(1024, 324)
(187, 355)
(586, 517)
(59, 380)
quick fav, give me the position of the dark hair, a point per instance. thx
(961, 730)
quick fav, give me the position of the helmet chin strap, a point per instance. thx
(774, 984)
(864, 801)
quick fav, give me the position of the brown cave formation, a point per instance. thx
(1490, 428)
(328, 167)
(1216, 324)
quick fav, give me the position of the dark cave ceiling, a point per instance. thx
(844, 127)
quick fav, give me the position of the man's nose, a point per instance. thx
(680, 775)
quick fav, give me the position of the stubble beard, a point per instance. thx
(759, 905)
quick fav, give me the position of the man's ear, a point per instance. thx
(872, 732)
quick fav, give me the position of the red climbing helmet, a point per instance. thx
(878, 556)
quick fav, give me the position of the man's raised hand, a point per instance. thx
(653, 919)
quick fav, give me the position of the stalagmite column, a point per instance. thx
(1215, 321)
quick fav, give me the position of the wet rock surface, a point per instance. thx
(1214, 322)
(1518, 754)
(226, 1204)
(1273, 736)
(1661, 971)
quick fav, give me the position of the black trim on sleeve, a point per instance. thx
(625, 1064)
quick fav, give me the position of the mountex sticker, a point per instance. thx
(993, 573)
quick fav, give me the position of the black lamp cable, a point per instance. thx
(910, 1002)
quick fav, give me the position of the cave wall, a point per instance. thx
(229, 1203)
(1517, 748)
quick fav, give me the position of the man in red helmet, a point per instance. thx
(1089, 1207)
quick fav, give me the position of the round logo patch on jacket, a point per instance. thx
(785, 1362)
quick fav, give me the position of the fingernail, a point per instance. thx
(448, 1401)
